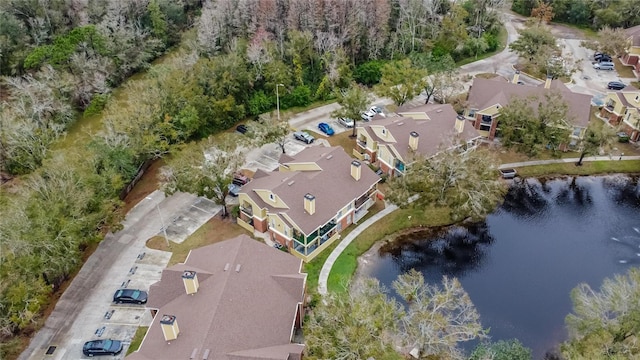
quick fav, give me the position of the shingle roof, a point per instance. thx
(333, 186)
(236, 315)
(634, 33)
(488, 92)
(435, 132)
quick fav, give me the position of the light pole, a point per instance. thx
(164, 228)
(278, 100)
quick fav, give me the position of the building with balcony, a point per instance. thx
(309, 199)
(487, 96)
(238, 299)
(622, 109)
(392, 142)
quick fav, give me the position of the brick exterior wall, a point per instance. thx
(634, 135)
(492, 131)
(260, 225)
(610, 116)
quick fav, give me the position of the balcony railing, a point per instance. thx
(362, 144)
(247, 210)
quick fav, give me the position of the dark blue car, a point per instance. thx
(130, 296)
(326, 128)
(102, 347)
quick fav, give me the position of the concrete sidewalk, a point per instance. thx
(326, 268)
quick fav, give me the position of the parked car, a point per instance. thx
(604, 66)
(508, 173)
(605, 58)
(365, 117)
(130, 296)
(376, 109)
(234, 190)
(102, 347)
(242, 129)
(239, 179)
(616, 85)
(303, 136)
(598, 55)
(346, 122)
(326, 128)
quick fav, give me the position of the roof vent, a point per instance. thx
(238, 268)
(291, 182)
(400, 123)
(329, 156)
(439, 110)
(226, 267)
(205, 356)
(193, 354)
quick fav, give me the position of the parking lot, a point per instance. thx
(588, 80)
(86, 311)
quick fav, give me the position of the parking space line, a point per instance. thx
(203, 210)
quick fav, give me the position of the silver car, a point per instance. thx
(303, 136)
(346, 122)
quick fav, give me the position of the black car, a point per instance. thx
(102, 347)
(597, 56)
(616, 85)
(130, 296)
(242, 129)
(605, 58)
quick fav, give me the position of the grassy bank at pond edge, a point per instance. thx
(402, 220)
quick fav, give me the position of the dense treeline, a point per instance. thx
(66, 56)
(63, 57)
(592, 13)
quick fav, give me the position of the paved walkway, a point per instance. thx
(326, 268)
(328, 264)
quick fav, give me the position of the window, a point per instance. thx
(271, 197)
(339, 213)
(472, 112)
(611, 104)
(384, 131)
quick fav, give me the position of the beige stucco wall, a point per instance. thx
(310, 166)
(383, 133)
(276, 202)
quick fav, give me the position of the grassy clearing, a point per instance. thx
(213, 231)
(384, 229)
(343, 139)
(137, 339)
(623, 71)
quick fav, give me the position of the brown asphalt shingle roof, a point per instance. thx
(489, 92)
(434, 133)
(634, 32)
(241, 315)
(333, 186)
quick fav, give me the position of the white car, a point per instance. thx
(346, 122)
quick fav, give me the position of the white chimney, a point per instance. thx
(413, 140)
(169, 327)
(356, 169)
(190, 280)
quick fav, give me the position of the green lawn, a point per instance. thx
(386, 228)
(623, 71)
(588, 168)
(137, 339)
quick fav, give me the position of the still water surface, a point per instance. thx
(520, 265)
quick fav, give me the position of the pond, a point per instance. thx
(521, 263)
